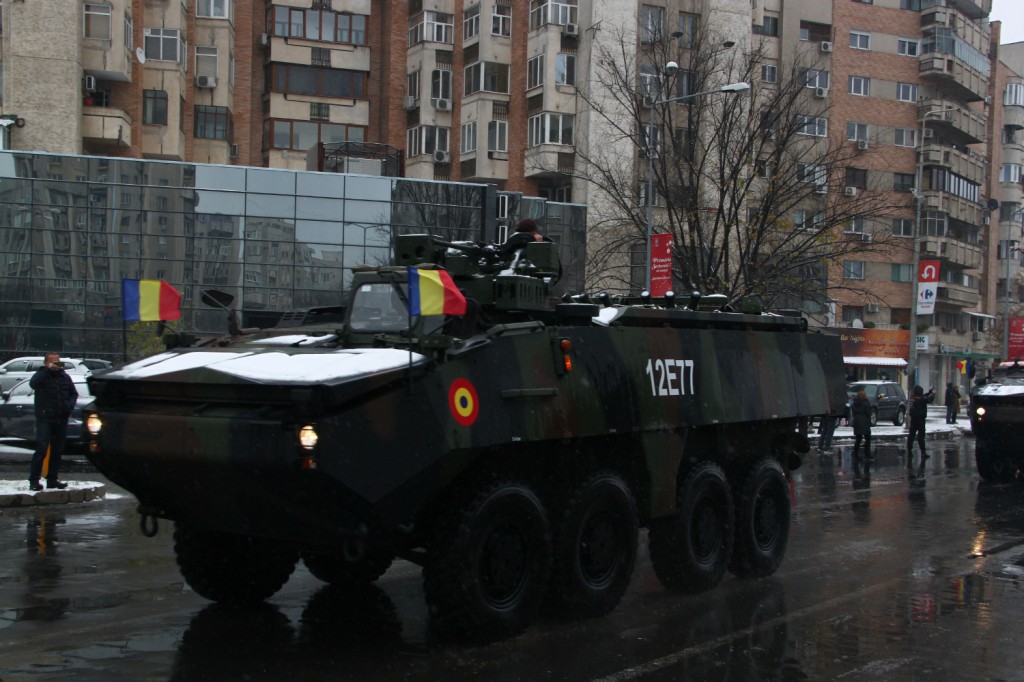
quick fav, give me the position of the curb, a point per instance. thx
(92, 491)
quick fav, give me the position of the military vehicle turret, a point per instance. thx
(997, 416)
(513, 449)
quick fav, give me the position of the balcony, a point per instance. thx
(961, 126)
(948, 249)
(956, 207)
(954, 76)
(106, 125)
(548, 162)
(954, 52)
(959, 160)
(1013, 115)
(958, 295)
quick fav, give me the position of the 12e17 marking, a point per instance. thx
(670, 377)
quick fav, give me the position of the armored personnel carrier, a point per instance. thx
(997, 417)
(513, 448)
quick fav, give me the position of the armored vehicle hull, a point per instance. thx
(516, 463)
(997, 418)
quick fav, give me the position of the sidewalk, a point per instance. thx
(935, 427)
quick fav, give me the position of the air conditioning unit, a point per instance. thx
(90, 83)
(820, 189)
(928, 133)
(976, 336)
(871, 307)
(647, 102)
(442, 157)
(443, 105)
(206, 81)
(821, 93)
(233, 151)
(570, 29)
(863, 145)
(409, 102)
(265, 40)
(849, 191)
(867, 237)
(986, 220)
(826, 46)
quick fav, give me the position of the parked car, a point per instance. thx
(96, 364)
(14, 371)
(887, 398)
(18, 415)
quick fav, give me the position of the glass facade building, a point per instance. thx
(72, 227)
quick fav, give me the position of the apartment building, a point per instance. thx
(488, 91)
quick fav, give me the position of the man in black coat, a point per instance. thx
(55, 397)
(918, 414)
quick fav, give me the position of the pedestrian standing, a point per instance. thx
(952, 402)
(55, 397)
(826, 428)
(918, 412)
(860, 410)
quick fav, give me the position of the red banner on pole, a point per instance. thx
(1016, 344)
(661, 263)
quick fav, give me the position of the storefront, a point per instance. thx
(873, 353)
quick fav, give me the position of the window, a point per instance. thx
(213, 9)
(859, 85)
(903, 182)
(816, 33)
(154, 107)
(764, 168)
(550, 129)
(565, 69)
(908, 47)
(906, 137)
(441, 84)
(320, 56)
(1008, 135)
(769, 73)
(497, 136)
(914, 5)
(212, 123)
(856, 225)
(902, 272)
(318, 81)
(319, 111)
(426, 140)
(412, 84)
(803, 221)
(684, 84)
(807, 172)
(860, 41)
(431, 27)
(852, 269)
(813, 125)
(856, 131)
(1014, 95)
(535, 72)
(652, 23)
(1008, 211)
(687, 25)
(468, 138)
(206, 61)
(471, 22)
(906, 92)
(1009, 172)
(814, 78)
(856, 177)
(164, 44)
(301, 135)
(543, 12)
(501, 20)
(486, 77)
(769, 27)
(97, 21)
(129, 32)
(903, 227)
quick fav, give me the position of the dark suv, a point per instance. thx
(888, 401)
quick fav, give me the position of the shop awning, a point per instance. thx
(862, 360)
(987, 317)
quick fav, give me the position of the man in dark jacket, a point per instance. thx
(918, 414)
(526, 232)
(55, 397)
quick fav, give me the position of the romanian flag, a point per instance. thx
(432, 292)
(962, 366)
(149, 300)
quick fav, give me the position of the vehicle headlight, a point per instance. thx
(980, 411)
(308, 437)
(93, 424)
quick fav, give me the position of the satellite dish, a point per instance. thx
(140, 54)
(857, 324)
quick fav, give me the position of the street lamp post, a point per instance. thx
(915, 288)
(670, 69)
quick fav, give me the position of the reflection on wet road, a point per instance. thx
(892, 573)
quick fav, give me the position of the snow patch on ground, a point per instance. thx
(15, 487)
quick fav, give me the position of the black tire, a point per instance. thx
(594, 548)
(487, 567)
(874, 416)
(763, 508)
(360, 568)
(231, 569)
(901, 416)
(690, 550)
(993, 463)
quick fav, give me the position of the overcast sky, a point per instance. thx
(1011, 13)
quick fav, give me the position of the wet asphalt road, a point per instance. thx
(890, 575)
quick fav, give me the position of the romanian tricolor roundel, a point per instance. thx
(463, 402)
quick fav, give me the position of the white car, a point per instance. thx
(13, 371)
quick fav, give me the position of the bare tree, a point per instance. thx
(752, 186)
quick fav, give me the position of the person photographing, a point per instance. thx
(918, 413)
(55, 397)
